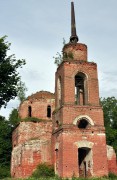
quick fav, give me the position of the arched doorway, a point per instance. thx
(84, 162)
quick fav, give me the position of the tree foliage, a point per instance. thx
(14, 118)
(110, 120)
(21, 91)
(9, 75)
(5, 142)
(110, 111)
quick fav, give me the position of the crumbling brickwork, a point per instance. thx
(37, 106)
(112, 161)
(32, 140)
(78, 51)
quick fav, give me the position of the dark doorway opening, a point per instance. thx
(84, 159)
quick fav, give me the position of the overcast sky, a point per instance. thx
(36, 30)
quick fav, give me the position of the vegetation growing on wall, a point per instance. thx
(58, 59)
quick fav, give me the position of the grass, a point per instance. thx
(57, 178)
(46, 172)
(111, 177)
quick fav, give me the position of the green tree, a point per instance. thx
(110, 111)
(5, 141)
(9, 75)
(110, 120)
(5, 147)
(14, 118)
(21, 91)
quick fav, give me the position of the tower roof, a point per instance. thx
(74, 37)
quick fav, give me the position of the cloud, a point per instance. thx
(107, 81)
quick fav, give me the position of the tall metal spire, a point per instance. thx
(74, 37)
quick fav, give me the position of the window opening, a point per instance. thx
(49, 111)
(29, 111)
(83, 123)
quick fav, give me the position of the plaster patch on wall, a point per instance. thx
(84, 143)
(110, 152)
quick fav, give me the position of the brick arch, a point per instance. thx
(78, 118)
(79, 71)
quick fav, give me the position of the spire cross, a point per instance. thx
(74, 37)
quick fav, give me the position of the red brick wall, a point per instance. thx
(31, 146)
(67, 114)
(67, 72)
(112, 160)
(68, 151)
(39, 108)
(29, 130)
(79, 51)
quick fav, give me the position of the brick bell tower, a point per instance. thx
(79, 143)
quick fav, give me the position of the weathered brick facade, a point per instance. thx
(32, 140)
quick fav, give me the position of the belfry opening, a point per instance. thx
(80, 89)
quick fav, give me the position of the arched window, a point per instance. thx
(49, 111)
(59, 91)
(82, 124)
(80, 89)
(29, 111)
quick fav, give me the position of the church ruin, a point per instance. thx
(70, 134)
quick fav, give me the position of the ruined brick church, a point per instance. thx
(70, 134)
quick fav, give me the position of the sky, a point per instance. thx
(36, 30)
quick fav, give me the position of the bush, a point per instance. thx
(4, 172)
(112, 176)
(44, 170)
